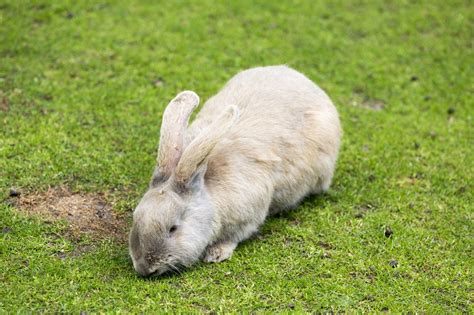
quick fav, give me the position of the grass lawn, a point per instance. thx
(83, 85)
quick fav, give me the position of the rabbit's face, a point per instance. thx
(170, 230)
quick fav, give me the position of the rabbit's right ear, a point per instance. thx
(173, 127)
(192, 165)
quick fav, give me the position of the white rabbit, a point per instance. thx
(269, 138)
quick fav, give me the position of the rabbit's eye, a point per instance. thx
(173, 229)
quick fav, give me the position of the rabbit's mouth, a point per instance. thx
(169, 266)
(154, 272)
(167, 270)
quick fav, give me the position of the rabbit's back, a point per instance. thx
(285, 142)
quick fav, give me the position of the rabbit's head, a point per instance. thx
(173, 223)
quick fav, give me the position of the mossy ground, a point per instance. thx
(82, 88)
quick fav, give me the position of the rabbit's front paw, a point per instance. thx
(219, 252)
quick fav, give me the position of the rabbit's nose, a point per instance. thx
(142, 269)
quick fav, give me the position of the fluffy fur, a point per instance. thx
(265, 141)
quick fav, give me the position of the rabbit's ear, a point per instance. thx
(194, 158)
(173, 127)
(195, 182)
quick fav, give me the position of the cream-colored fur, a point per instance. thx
(265, 141)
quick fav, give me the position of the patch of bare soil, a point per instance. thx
(88, 214)
(373, 104)
(360, 100)
(4, 104)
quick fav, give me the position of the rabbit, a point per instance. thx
(269, 138)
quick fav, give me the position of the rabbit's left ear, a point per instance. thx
(173, 128)
(193, 163)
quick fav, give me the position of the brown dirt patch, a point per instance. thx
(362, 101)
(88, 214)
(373, 104)
(4, 104)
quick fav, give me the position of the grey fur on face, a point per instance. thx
(265, 141)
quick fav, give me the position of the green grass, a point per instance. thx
(83, 111)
